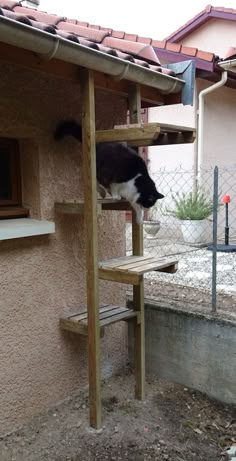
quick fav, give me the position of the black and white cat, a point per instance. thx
(120, 171)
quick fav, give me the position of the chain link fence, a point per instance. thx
(181, 226)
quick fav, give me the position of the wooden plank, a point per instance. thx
(84, 314)
(138, 291)
(77, 206)
(90, 215)
(119, 277)
(170, 269)
(122, 262)
(164, 127)
(125, 315)
(134, 267)
(74, 327)
(165, 139)
(138, 132)
(152, 266)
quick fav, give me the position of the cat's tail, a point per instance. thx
(68, 128)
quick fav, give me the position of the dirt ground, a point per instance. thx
(173, 423)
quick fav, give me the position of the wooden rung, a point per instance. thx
(108, 314)
(148, 134)
(134, 133)
(131, 269)
(77, 206)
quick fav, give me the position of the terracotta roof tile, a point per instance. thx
(231, 53)
(146, 40)
(86, 32)
(118, 34)
(128, 47)
(82, 23)
(8, 3)
(94, 26)
(158, 44)
(206, 56)
(72, 21)
(39, 15)
(190, 51)
(135, 48)
(173, 47)
(131, 37)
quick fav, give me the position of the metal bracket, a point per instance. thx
(186, 71)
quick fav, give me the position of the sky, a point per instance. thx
(155, 19)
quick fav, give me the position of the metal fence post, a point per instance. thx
(214, 240)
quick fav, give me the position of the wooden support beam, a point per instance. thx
(126, 133)
(90, 215)
(138, 291)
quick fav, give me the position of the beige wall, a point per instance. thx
(219, 126)
(215, 36)
(43, 276)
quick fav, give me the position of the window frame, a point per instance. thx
(13, 208)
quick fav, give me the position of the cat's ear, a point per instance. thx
(159, 196)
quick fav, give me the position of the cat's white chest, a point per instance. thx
(126, 190)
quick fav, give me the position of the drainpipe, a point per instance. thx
(201, 97)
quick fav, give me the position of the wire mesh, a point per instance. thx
(166, 233)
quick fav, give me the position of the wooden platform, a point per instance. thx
(148, 134)
(77, 206)
(130, 269)
(108, 314)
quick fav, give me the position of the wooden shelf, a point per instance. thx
(108, 314)
(130, 269)
(148, 134)
(77, 206)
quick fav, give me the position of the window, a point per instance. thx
(10, 180)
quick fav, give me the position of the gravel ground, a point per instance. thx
(195, 270)
(192, 282)
(173, 423)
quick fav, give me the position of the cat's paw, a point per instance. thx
(116, 196)
(139, 217)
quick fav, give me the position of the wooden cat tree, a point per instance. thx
(128, 270)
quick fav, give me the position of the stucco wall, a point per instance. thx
(215, 36)
(43, 276)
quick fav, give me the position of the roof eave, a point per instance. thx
(198, 22)
(49, 46)
(172, 56)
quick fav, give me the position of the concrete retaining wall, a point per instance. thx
(193, 349)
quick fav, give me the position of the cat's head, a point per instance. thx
(148, 192)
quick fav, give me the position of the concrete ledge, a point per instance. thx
(194, 349)
(24, 227)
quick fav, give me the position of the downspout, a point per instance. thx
(201, 97)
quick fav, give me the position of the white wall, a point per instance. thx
(215, 36)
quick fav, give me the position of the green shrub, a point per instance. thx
(192, 206)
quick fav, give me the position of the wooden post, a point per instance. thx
(90, 215)
(137, 244)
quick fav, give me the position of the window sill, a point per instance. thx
(24, 227)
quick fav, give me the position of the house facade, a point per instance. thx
(43, 270)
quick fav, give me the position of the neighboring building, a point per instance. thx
(213, 31)
(44, 273)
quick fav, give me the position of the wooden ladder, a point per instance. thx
(131, 269)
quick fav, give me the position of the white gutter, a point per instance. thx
(50, 46)
(201, 97)
(228, 65)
